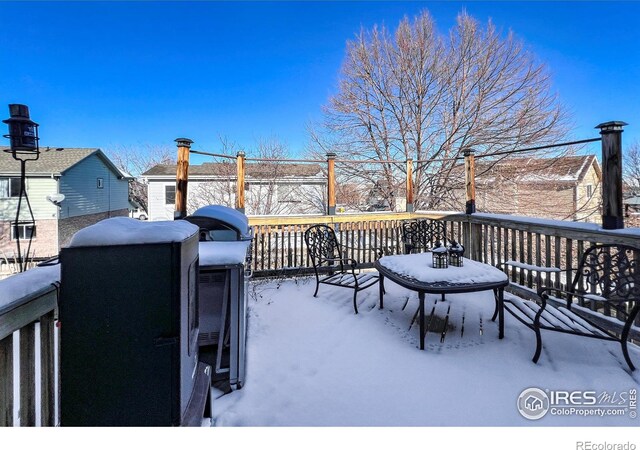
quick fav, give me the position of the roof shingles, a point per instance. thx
(51, 160)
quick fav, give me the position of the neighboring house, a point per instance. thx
(632, 211)
(385, 197)
(93, 189)
(563, 188)
(270, 188)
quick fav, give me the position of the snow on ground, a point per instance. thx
(313, 362)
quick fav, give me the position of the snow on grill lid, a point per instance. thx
(225, 214)
(123, 231)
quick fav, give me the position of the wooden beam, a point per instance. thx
(470, 181)
(182, 177)
(240, 189)
(331, 184)
(409, 185)
(612, 209)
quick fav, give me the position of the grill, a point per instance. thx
(225, 261)
(129, 324)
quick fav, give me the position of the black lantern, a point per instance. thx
(23, 133)
(455, 254)
(439, 256)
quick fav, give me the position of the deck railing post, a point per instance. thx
(612, 209)
(470, 180)
(331, 184)
(240, 168)
(182, 177)
(409, 207)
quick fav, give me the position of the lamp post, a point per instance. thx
(23, 138)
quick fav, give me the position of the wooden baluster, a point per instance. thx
(558, 254)
(28, 375)
(529, 259)
(6, 381)
(47, 379)
(569, 264)
(547, 257)
(521, 255)
(514, 254)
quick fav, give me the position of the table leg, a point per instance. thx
(381, 290)
(501, 313)
(421, 298)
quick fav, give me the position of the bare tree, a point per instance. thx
(631, 169)
(137, 160)
(418, 94)
(271, 186)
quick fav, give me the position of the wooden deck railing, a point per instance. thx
(27, 325)
(279, 249)
(27, 322)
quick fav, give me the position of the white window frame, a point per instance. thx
(11, 191)
(166, 187)
(24, 228)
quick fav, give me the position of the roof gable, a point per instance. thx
(253, 170)
(54, 161)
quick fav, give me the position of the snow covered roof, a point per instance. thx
(565, 169)
(252, 170)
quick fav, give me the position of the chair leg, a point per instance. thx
(625, 352)
(355, 305)
(442, 297)
(315, 294)
(625, 335)
(495, 312)
(538, 346)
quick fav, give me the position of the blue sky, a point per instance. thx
(103, 74)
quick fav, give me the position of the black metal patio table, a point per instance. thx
(415, 272)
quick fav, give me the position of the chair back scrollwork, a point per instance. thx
(422, 235)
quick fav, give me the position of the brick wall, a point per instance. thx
(44, 244)
(68, 227)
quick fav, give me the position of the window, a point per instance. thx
(100, 183)
(589, 190)
(170, 194)
(288, 194)
(23, 232)
(9, 187)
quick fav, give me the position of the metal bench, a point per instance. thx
(608, 277)
(325, 253)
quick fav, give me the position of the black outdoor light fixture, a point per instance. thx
(23, 134)
(23, 137)
(439, 256)
(455, 254)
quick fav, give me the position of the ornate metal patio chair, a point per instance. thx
(608, 277)
(422, 235)
(329, 265)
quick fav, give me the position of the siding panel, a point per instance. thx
(82, 196)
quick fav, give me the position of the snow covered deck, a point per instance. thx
(312, 362)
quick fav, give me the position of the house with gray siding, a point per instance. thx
(93, 188)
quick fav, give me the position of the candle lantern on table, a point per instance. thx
(456, 251)
(439, 256)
